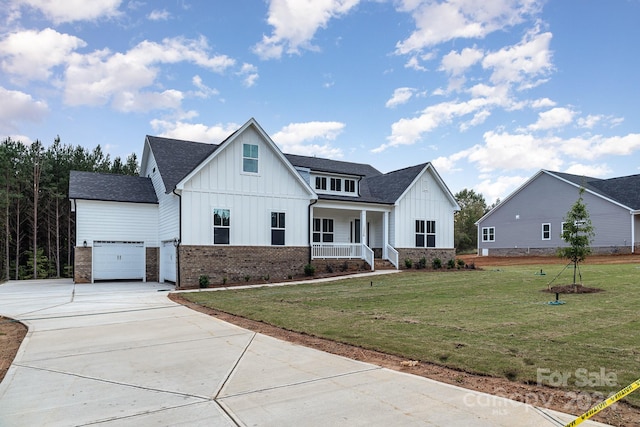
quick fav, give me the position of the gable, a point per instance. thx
(223, 169)
(175, 158)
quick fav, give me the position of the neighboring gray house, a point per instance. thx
(530, 220)
(242, 208)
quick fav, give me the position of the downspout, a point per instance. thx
(310, 226)
(179, 238)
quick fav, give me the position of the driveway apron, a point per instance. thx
(123, 354)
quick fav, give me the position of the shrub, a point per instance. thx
(204, 281)
(266, 278)
(309, 270)
(344, 266)
(436, 263)
(408, 263)
(422, 263)
(246, 278)
(461, 263)
(329, 268)
(224, 280)
(451, 264)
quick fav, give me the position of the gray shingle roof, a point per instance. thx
(332, 166)
(389, 187)
(111, 187)
(176, 158)
(624, 190)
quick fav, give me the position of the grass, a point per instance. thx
(493, 322)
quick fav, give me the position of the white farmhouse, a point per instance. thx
(244, 210)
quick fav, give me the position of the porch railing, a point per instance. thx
(393, 256)
(336, 250)
(368, 256)
(343, 250)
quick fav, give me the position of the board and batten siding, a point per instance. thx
(249, 197)
(168, 204)
(425, 200)
(116, 221)
(518, 220)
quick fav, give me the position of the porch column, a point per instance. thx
(310, 231)
(385, 235)
(363, 227)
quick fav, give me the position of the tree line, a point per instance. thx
(37, 227)
(472, 208)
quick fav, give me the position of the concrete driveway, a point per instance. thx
(124, 354)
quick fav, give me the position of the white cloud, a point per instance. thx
(522, 63)
(590, 121)
(409, 131)
(551, 119)
(506, 151)
(102, 77)
(193, 131)
(400, 96)
(75, 10)
(477, 119)
(249, 72)
(126, 101)
(438, 22)
(17, 107)
(456, 63)
(30, 55)
(292, 138)
(543, 103)
(599, 146)
(204, 91)
(295, 22)
(500, 187)
(595, 171)
(159, 15)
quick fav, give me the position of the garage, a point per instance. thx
(168, 262)
(118, 260)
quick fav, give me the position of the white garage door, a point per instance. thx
(118, 260)
(168, 262)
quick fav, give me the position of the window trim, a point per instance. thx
(221, 226)
(279, 228)
(249, 157)
(547, 232)
(490, 235)
(426, 230)
(321, 183)
(321, 232)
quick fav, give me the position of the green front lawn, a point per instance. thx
(494, 322)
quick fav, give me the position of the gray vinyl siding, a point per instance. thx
(546, 199)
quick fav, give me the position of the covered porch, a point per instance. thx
(351, 231)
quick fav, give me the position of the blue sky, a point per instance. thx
(489, 92)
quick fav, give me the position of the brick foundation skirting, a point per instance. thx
(82, 265)
(152, 267)
(429, 254)
(515, 252)
(236, 264)
(84, 257)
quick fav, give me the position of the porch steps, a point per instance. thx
(383, 264)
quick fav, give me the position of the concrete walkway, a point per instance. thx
(123, 354)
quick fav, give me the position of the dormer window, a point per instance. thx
(350, 185)
(321, 183)
(250, 158)
(336, 184)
